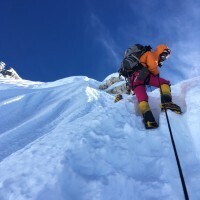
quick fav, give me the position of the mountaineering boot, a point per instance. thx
(171, 106)
(118, 97)
(166, 100)
(166, 96)
(148, 118)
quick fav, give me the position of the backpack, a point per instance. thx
(131, 62)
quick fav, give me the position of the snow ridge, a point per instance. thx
(68, 140)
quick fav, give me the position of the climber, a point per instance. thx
(149, 75)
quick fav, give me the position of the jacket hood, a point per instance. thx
(160, 48)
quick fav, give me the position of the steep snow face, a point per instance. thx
(68, 140)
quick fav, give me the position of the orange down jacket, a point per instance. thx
(150, 59)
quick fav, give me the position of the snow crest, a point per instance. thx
(67, 140)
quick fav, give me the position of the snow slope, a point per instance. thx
(67, 140)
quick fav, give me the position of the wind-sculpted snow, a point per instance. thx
(67, 140)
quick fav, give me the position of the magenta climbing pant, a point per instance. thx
(139, 86)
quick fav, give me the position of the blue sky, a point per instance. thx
(46, 40)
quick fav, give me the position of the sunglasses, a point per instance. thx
(164, 55)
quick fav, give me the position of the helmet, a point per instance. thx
(2, 65)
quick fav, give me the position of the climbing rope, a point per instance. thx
(175, 151)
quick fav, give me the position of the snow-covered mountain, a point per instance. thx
(67, 140)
